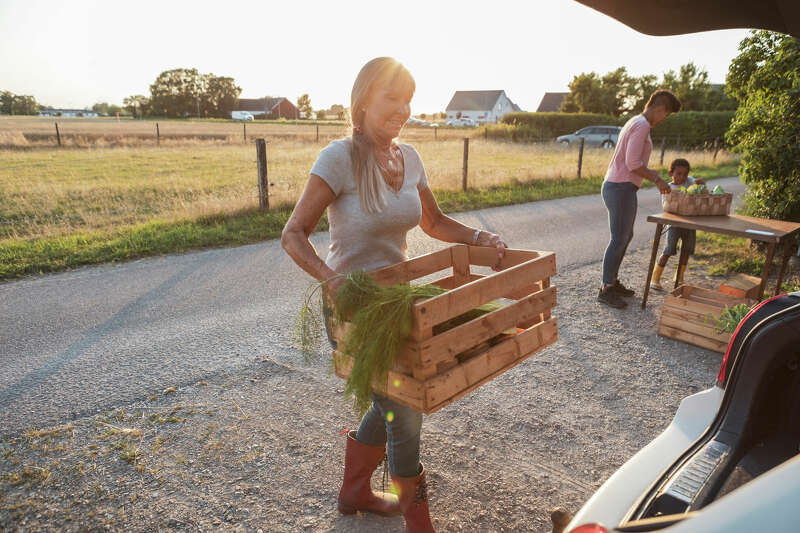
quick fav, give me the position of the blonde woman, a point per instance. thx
(375, 191)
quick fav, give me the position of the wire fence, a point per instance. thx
(56, 192)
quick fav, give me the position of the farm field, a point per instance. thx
(62, 207)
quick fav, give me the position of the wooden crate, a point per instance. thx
(741, 286)
(681, 203)
(684, 316)
(434, 370)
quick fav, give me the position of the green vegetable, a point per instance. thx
(730, 317)
(717, 190)
(380, 322)
(697, 189)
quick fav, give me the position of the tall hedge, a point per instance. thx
(551, 125)
(694, 128)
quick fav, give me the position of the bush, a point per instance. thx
(548, 126)
(696, 129)
(766, 129)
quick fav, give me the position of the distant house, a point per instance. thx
(268, 107)
(481, 106)
(50, 112)
(551, 102)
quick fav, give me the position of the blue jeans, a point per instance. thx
(389, 423)
(686, 236)
(621, 202)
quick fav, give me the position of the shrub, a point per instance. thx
(548, 126)
(695, 128)
(766, 129)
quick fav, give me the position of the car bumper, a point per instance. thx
(613, 500)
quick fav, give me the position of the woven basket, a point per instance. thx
(681, 203)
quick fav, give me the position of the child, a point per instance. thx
(679, 172)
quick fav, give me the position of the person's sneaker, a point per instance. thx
(656, 286)
(611, 298)
(622, 290)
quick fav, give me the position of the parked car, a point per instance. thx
(603, 136)
(242, 115)
(416, 122)
(730, 460)
(463, 121)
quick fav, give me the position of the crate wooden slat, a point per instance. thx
(434, 370)
(685, 204)
(685, 316)
(741, 286)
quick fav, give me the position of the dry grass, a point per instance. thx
(50, 193)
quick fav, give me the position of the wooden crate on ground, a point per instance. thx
(741, 286)
(685, 316)
(434, 370)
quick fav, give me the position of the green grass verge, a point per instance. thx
(21, 257)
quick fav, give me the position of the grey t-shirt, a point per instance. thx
(689, 181)
(361, 240)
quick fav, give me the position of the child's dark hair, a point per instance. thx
(680, 162)
(665, 98)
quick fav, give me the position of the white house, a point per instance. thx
(50, 112)
(481, 106)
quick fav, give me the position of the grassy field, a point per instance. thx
(62, 208)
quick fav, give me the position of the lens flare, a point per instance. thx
(396, 383)
(389, 416)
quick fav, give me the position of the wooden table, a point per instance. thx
(773, 232)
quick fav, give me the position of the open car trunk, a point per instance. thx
(756, 429)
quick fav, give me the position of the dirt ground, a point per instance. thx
(261, 449)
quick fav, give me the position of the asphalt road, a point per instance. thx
(80, 342)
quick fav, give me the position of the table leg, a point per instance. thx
(765, 273)
(656, 241)
(786, 247)
(683, 260)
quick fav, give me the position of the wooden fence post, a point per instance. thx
(435, 133)
(244, 131)
(263, 182)
(158, 135)
(716, 148)
(58, 135)
(580, 157)
(317, 132)
(466, 159)
(486, 133)
(663, 149)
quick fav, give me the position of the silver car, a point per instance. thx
(602, 136)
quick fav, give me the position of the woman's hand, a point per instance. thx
(486, 238)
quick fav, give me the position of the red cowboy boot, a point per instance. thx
(356, 494)
(414, 502)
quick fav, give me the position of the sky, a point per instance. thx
(77, 53)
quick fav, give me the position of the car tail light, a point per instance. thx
(589, 528)
(721, 375)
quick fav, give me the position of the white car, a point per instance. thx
(463, 121)
(730, 460)
(242, 115)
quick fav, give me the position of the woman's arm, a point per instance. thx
(442, 227)
(316, 197)
(655, 177)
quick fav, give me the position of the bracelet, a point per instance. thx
(476, 235)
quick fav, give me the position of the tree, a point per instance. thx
(176, 93)
(589, 93)
(321, 114)
(104, 108)
(765, 79)
(221, 94)
(304, 105)
(137, 105)
(339, 111)
(690, 85)
(18, 104)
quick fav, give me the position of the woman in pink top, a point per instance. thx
(625, 173)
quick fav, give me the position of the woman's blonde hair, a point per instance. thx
(378, 72)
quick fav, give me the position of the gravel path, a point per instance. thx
(259, 449)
